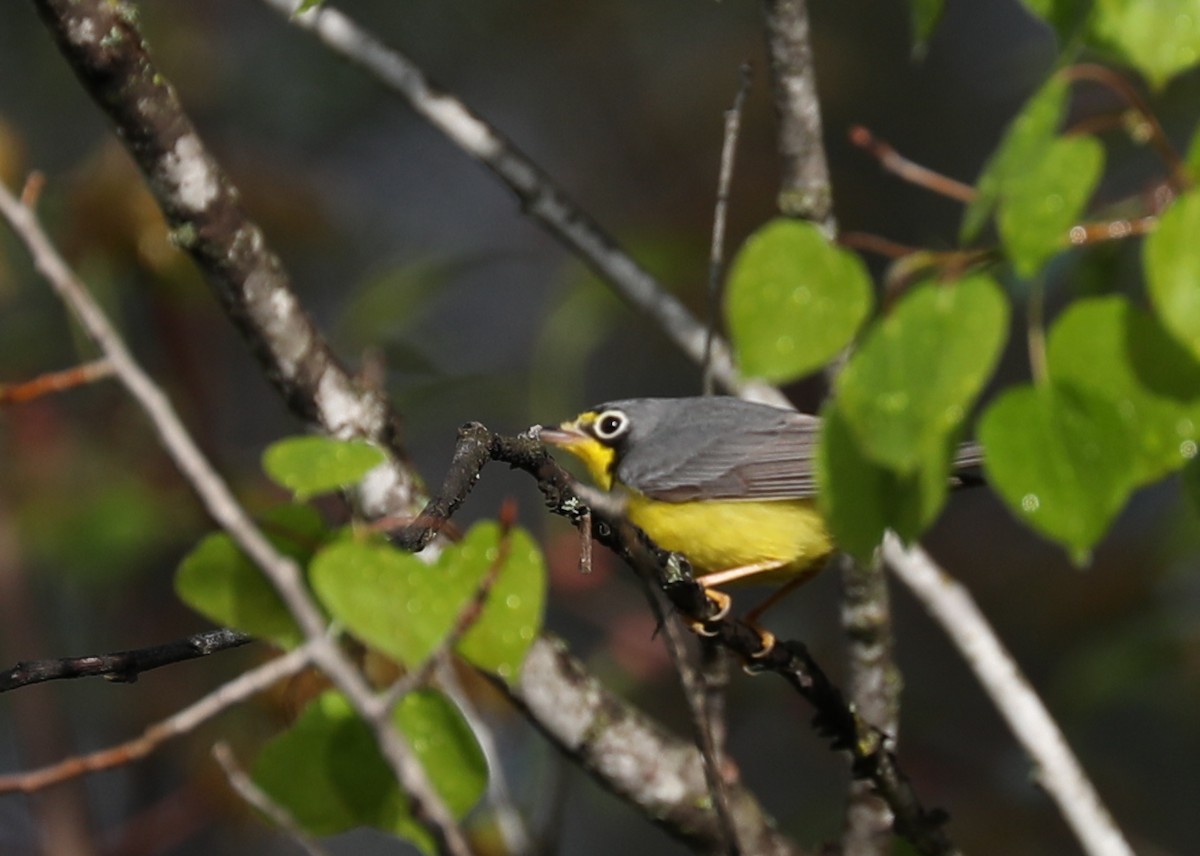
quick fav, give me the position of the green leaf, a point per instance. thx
(219, 581)
(406, 607)
(326, 770)
(1027, 137)
(308, 466)
(1118, 352)
(1171, 255)
(1190, 476)
(1041, 202)
(793, 300)
(1192, 159)
(861, 500)
(1065, 17)
(1160, 38)
(1061, 458)
(917, 372)
(925, 17)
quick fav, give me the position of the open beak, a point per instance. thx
(564, 436)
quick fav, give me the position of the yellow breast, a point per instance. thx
(717, 535)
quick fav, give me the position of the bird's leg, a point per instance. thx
(723, 601)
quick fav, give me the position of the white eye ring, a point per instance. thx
(610, 425)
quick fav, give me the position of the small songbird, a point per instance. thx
(729, 484)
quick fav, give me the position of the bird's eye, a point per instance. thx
(610, 425)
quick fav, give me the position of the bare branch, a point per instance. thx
(716, 257)
(191, 717)
(873, 684)
(1057, 769)
(804, 189)
(122, 666)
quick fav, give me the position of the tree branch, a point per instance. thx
(805, 189)
(1057, 769)
(122, 666)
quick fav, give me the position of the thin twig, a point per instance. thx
(52, 382)
(122, 666)
(716, 257)
(186, 720)
(1125, 90)
(911, 171)
(1056, 767)
(696, 694)
(255, 796)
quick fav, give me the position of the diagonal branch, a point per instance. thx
(1058, 771)
(540, 197)
(101, 42)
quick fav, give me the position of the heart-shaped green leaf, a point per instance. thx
(1064, 16)
(794, 300)
(309, 466)
(1172, 260)
(913, 379)
(406, 607)
(217, 579)
(860, 499)
(326, 770)
(1061, 458)
(1040, 203)
(1028, 135)
(1159, 38)
(1118, 352)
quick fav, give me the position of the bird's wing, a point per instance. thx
(769, 456)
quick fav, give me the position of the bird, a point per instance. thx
(729, 484)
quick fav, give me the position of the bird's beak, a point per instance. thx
(564, 436)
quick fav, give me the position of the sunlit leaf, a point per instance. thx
(794, 300)
(1061, 458)
(1118, 352)
(1160, 38)
(308, 466)
(219, 581)
(917, 372)
(1041, 202)
(327, 771)
(861, 499)
(1024, 143)
(406, 607)
(1064, 16)
(1172, 260)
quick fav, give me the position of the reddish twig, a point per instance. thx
(1154, 133)
(52, 382)
(910, 171)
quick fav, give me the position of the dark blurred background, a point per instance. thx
(407, 251)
